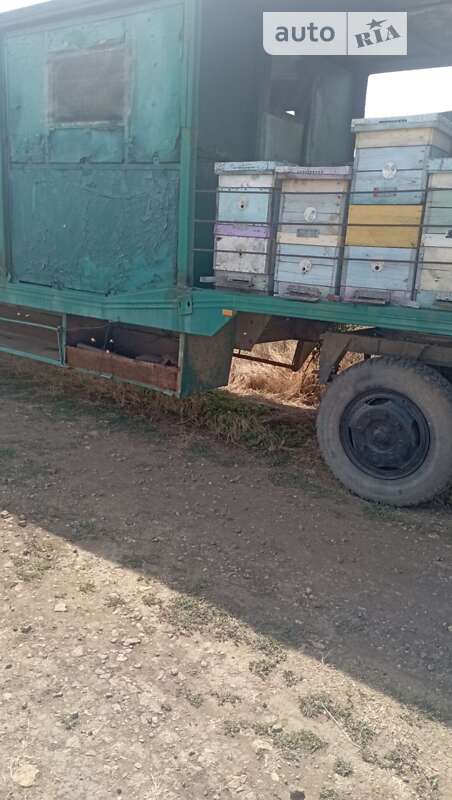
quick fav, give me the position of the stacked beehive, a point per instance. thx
(311, 228)
(434, 279)
(246, 208)
(387, 202)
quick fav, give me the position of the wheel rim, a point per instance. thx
(385, 435)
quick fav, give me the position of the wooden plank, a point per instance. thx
(240, 254)
(384, 236)
(436, 120)
(373, 159)
(242, 207)
(437, 240)
(406, 188)
(311, 186)
(439, 198)
(315, 174)
(127, 369)
(385, 275)
(311, 270)
(441, 180)
(441, 217)
(385, 215)
(294, 290)
(395, 254)
(435, 279)
(415, 137)
(442, 255)
(231, 168)
(244, 281)
(307, 251)
(248, 231)
(306, 236)
(244, 181)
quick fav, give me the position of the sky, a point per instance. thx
(423, 91)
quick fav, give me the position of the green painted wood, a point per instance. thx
(109, 222)
(110, 231)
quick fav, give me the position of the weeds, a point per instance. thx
(194, 698)
(296, 744)
(227, 698)
(290, 679)
(343, 768)
(232, 728)
(329, 794)
(193, 614)
(33, 570)
(359, 730)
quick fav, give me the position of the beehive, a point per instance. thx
(434, 278)
(312, 214)
(387, 205)
(244, 227)
(392, 157)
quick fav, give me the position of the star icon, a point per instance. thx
(376, 23)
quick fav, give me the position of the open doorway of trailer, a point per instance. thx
(417, 91)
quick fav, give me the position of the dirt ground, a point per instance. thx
(185, 618)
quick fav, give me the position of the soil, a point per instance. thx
(185, 618)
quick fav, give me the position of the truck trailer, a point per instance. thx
(113, 117)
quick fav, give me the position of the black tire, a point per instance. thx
(419, 410)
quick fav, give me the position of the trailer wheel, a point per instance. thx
(385, 430)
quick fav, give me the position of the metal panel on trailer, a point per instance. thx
(94, 175)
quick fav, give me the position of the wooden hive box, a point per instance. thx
(434, 277)
(311, 229)
(384, 226)
(246, 203)
(392, 155)
(383, 275)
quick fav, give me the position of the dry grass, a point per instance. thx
(300, 388)
(228, 415)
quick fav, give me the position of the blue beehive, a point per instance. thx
(386, 208)
(392, 156)
(311, 226)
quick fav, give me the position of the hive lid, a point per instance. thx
(437, 121)
(314, 173)
(248, 167)
(440, 165)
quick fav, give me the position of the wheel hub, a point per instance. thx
(385, 435)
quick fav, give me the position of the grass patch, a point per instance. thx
(229, 418)
(290, 679)
(293, 745)
(343, 768)
(322, 705)
(329, 794)
(274, 654)
(226, 698)
(190, 615)
(296, 744)
(33, 570)
(233, 727)
(151, 599)
(194, 698)
(115, 601)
